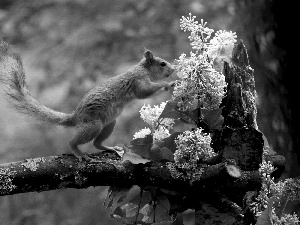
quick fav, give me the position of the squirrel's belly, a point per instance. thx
(114, 111)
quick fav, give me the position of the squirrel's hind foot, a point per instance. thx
(116, 150)
(80, 155)
(83, 157)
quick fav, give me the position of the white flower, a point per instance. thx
(159, 127)
(160, 134)
(199, 33)
(193, 146)
(200, 81)
(142, 133)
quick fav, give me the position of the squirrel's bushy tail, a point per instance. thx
(13, 76)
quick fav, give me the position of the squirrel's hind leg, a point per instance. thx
(85, 134)
(104, 134)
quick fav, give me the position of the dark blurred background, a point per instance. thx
(68, 46)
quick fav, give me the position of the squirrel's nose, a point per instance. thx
(172, 68)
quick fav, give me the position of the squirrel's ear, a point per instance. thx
(148, 56)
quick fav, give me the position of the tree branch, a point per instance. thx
(60, 172)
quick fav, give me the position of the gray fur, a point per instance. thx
(95, 116)
(12, 75)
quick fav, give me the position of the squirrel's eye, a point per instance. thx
(163, 64)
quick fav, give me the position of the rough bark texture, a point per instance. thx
(239, 139)
(60, 172)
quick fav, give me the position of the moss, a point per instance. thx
(6, 181)
(173, 170)
(33, 164)
(80, 180)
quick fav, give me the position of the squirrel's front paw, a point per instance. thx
(168, 86)
(172, 83)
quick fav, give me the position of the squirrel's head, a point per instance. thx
(159, 68)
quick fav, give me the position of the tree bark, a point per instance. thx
(61, 172)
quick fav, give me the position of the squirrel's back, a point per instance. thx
(104, 102)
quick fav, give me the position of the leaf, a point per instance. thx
(163, 150)
(130, 210)
(146, 198)
(266, 217)
(178, 220)
(213, 118)
(112, 194)
(134, 204)
(158, 212)
(148, 212)
(148, 140)
(108, 200)
(138, 151)
(161, 154)
(133, 158)
(114, 197)
(163, 206)
(167, 154)
(130, 205)
(172, 111)
(190, 116)
(189, 217)
(169, 142)
(124, 203)
(119, 212)
(169, 107)
(134, 191)
(121, 220)
(134, 219)
(120, 197)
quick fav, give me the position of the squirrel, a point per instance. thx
(95, 116)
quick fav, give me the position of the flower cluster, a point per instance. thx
(222, 42)
(287, 219)
(159, 127)
(288, 189)
(201, 84)
(192, 148)
(199, 33)
(142, 133)
(265, 171)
